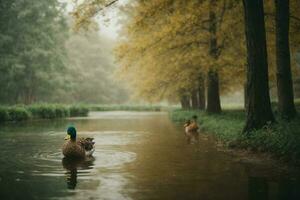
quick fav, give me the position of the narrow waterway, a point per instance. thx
(139, 155)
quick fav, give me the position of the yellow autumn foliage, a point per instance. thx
(165, 44)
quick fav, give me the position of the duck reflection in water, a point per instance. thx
(72, 166)
(191, 130)
(78, 155)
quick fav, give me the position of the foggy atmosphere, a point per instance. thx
(150, 99)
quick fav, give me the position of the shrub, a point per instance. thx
(281, 139)
(3, 114)
(18, 114)
(78, 110)
(61, 111)
(43, 111)
(125, 108)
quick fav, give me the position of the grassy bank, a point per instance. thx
(41, 111)
(125, 108)
(52, 111)
(281, 139)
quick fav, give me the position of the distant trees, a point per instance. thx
(201, 92)
(43, 60)
(177, 50)
(91, 69)
(32, 35)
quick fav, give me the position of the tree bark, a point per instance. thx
(245, 97)
(194, 100)
(258, 111)
(201, 93)
(185, 102)
(213, 94)
(286, 106)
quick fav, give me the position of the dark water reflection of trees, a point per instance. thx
(260, 188)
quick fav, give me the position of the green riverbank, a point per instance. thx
(41, 111)
(281, 140)
(52, 111)
(116, 107)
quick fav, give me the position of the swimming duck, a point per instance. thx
(80, 148)
(191, 126)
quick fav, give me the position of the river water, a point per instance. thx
(139, 155)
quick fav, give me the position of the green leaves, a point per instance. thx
(31, 46)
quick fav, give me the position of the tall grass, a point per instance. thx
(281, 139)
(18, 114)
(41, 111)
(4, 114)
(79, 110)
(49, 111)
(125, 108)
(52, 111)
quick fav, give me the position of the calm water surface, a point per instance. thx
(138, 155)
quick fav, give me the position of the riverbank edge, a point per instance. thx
(54, 111)
(18, 113)
(281, 141)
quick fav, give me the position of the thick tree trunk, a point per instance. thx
(194, 100)
(201, 93)
(245, 97)
(286, 106)
(259, 111)
(185, 102)
(213, 94)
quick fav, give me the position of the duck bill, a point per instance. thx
(67, 137)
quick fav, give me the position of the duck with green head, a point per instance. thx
(77, 148)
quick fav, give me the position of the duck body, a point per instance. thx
(191, 127)
(191, 131)
(80, 148)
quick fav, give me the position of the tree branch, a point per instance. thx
(221, 18)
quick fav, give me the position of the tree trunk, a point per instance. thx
(201, 93)
(213, 94)
(245, 97)
(28, 96)
(182, 103)
(258, 111)
(188, 103)
(185, 102)
(286, 106)
(194, 100)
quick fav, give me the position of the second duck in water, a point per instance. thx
(191, 125)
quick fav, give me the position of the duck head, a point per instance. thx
(71, 131)
(195, 117)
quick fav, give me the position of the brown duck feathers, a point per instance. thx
(79, 148)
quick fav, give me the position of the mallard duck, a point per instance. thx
(191, 126)
(80, 148)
